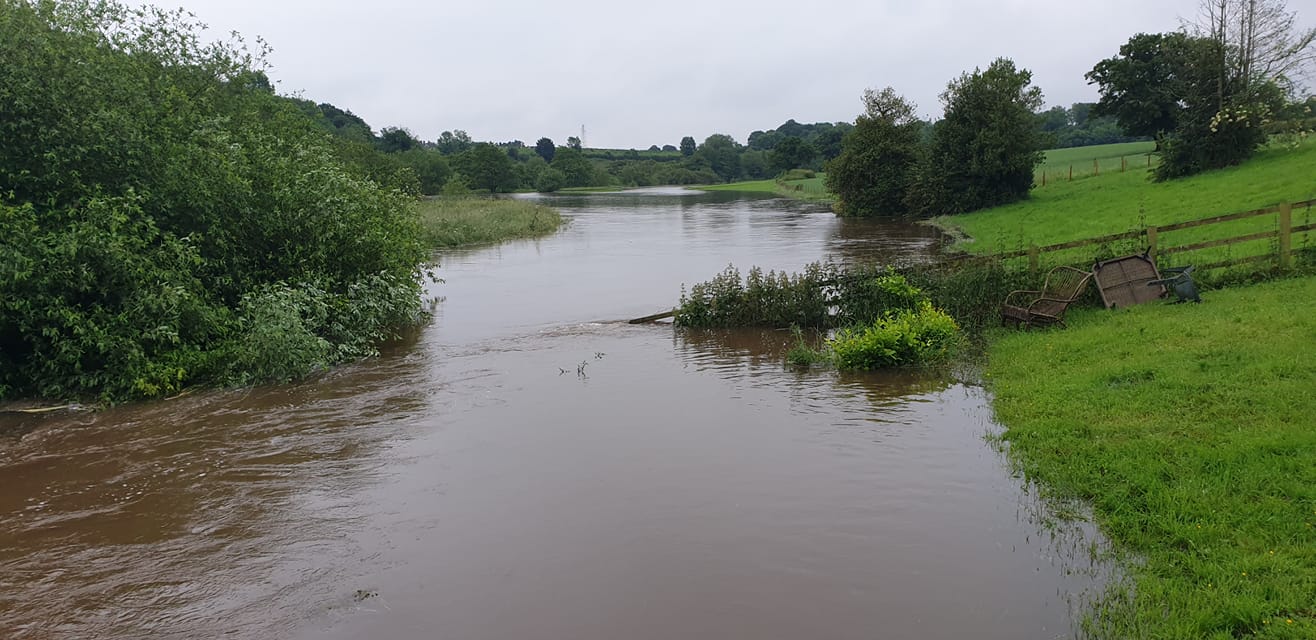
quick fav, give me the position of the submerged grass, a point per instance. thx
(455, 222)
(1188, 428)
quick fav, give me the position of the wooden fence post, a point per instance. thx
(1151, 244)
(1124, 164)
(1044, 178)
(1285, 235)
(1071, 173)
(1096, 167)
(1033, 259)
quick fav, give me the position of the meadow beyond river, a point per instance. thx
(528, 466)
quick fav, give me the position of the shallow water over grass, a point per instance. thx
(529, 467)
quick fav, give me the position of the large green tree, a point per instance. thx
(486, 167)
(721, 154)
(873, 172)
(791, 153)
(546, 149)
(454, 142)
(688, 146)
(985, 148)
(576, 169)
(1143, 87)
(395, 139)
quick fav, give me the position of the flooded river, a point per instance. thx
(528, 467)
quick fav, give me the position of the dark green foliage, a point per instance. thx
(430, 168)
(791, 153)
(576, 169)
(823, 137)
(546, 149)
(823, 295)
(395, 139)
(1190, 92)
(986, 147)
(687, 146)
(884, 320)
(486, 168)
(1223, 117)
(721, 154)
(156, 192)
(767, 300)
(873, 174)
(1072, 127)
(550, 180)
(754, 165)
(453, 142)
(1142, 86)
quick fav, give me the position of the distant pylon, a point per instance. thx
(582, 136)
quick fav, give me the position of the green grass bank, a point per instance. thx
(1094, 159)
(455, 222)
(1189, 431)
(1123, 201)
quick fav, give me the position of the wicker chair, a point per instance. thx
(1046, 307)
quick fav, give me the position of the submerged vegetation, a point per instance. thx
(882, 320)
(457, 221)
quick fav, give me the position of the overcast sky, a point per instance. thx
(642, 74)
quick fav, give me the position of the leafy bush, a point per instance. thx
(766, 300)
(822, 296)
(905, 337)
(167, 220)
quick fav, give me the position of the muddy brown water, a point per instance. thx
(526, 467)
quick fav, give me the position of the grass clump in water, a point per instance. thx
(1188, 429)
(459, 221)
(922, 335)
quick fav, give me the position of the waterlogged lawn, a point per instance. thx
(454, 222)
(1191, 430)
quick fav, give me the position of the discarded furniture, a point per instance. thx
(1126, 281)
(1181, 283)
(1063, 285)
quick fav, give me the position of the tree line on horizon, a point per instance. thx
(454, 163)
(1210, 95)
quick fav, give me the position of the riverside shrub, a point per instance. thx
(166, 219)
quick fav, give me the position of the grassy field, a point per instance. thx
(1109, 158)
(1188, 429)
(1116, 202)
(454, 222)
(806, 189)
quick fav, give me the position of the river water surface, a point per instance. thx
(528, 467)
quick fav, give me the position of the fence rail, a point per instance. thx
(1282, 255)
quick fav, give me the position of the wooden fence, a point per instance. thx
(1155, 245)
(1053, 173)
